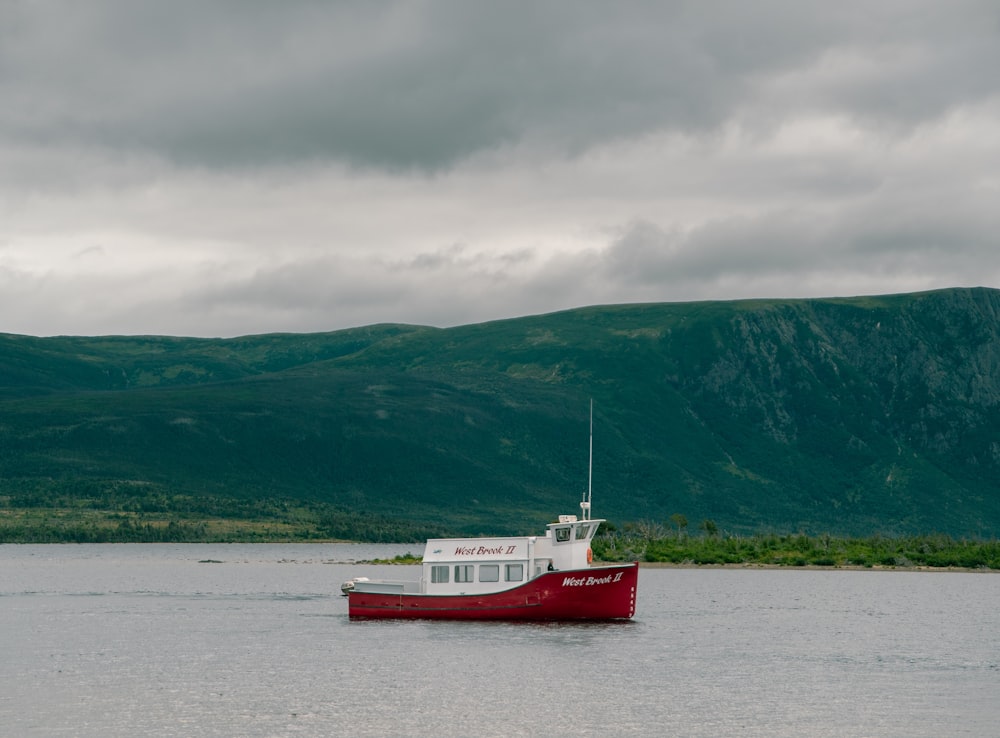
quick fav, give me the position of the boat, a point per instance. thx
(543, 577)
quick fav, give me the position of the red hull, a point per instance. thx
(598, 593)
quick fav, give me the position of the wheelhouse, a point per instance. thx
(480, 565)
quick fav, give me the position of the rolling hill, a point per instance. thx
(849, 416)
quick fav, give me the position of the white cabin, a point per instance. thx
(481, 565)
(484, 565)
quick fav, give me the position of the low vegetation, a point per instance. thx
(186, 519)
(401, 559)
(103, 516)
(654, 544)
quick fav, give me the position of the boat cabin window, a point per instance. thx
(439, 574)
(489, 572)
(562, 534)
(464, 572)
(514, 572)
(582, 532)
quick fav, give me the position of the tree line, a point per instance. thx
(113, 514)
(103, 513)
(652, 542)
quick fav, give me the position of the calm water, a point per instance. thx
(232, 640)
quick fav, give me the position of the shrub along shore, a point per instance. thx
(107, 518)
(824, 551)
(650, 545)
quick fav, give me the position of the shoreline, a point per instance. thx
(814, 567)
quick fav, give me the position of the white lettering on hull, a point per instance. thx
(591, 581)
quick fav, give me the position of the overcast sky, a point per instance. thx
(189, 167)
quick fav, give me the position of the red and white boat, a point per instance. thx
(546, 577)
(516, 578)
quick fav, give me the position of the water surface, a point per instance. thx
(254, 640)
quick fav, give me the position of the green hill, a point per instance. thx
(849, 416)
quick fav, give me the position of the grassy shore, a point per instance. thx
(279, 522)
(772, 550)
(184, 519)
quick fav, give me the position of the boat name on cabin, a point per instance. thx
(590, 581)
(485, 550)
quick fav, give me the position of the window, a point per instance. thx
(582, 532)
(464, 572)
(562, 535)
(514, 572)
(439, 574)
(489, 572)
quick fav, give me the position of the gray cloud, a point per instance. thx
(244, 166)
(425, 84)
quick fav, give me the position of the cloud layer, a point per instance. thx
(242, 167)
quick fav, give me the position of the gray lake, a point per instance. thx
(254, 640)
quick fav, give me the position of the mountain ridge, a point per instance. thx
(846, 415)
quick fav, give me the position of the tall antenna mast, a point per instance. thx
(585, 505)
